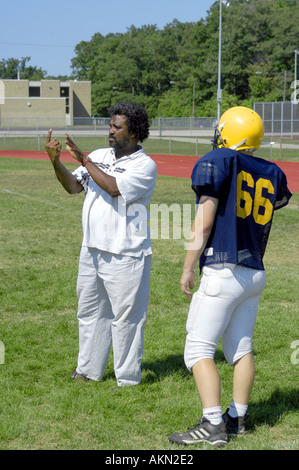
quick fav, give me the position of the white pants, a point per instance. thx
(225, 305)
(113, 293)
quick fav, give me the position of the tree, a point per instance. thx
(174, 71)
(11, 68)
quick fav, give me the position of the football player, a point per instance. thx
(237, 194)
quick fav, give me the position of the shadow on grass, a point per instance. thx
(263, 412)
(171, 365)
(272, 409)
(156, 370)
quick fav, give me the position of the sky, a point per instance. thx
(49, 31)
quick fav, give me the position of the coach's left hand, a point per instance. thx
(74, 150)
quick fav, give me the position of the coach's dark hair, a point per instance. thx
(137, 118)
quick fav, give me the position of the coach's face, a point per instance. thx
(119, 137)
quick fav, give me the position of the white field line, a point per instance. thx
(15, 193)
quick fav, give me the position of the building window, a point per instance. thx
(34, 91)
(65, 93)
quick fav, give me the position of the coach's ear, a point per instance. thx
(133, 136)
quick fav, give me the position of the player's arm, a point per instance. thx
(200, 232)
(66, 178)
(106, 182)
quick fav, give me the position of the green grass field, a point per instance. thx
(42, 408)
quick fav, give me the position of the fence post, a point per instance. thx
(160, 126)
(281, 122)
(292, 119)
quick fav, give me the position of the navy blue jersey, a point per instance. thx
(249, 189)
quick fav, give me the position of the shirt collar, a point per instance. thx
(132, 156)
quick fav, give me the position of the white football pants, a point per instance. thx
(113, 294)
(225, 305)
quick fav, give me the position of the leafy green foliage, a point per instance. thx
(174, 71)
(10, 68)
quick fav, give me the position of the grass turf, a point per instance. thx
(42, 408)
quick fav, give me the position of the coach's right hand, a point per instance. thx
(53, 147)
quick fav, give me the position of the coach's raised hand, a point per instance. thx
(66, 178)
(72, 148)
(53, 147)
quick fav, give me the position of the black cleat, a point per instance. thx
(205, 431)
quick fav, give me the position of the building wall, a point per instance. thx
(15, 88)
(19, 113)
(50, 101)
(81, 99)
(50, 88)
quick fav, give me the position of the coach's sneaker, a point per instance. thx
(204, 432)
(75, 375)
(234, 426)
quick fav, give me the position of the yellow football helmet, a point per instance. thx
(239, 128)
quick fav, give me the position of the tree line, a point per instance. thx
(174, 71)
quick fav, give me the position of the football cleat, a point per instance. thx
(205, 431)
(234, 426)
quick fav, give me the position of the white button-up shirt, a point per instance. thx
(118, 224)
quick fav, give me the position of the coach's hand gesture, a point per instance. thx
(74, 150)
(53, 147)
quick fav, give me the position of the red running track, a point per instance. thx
(168, 165)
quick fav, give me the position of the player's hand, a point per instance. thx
(72, 148)
(187, 280)
(53, 147)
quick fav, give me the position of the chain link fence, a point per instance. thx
(171, 129)
(160, 126)
(280, 118)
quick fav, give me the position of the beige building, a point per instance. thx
(43, 104)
